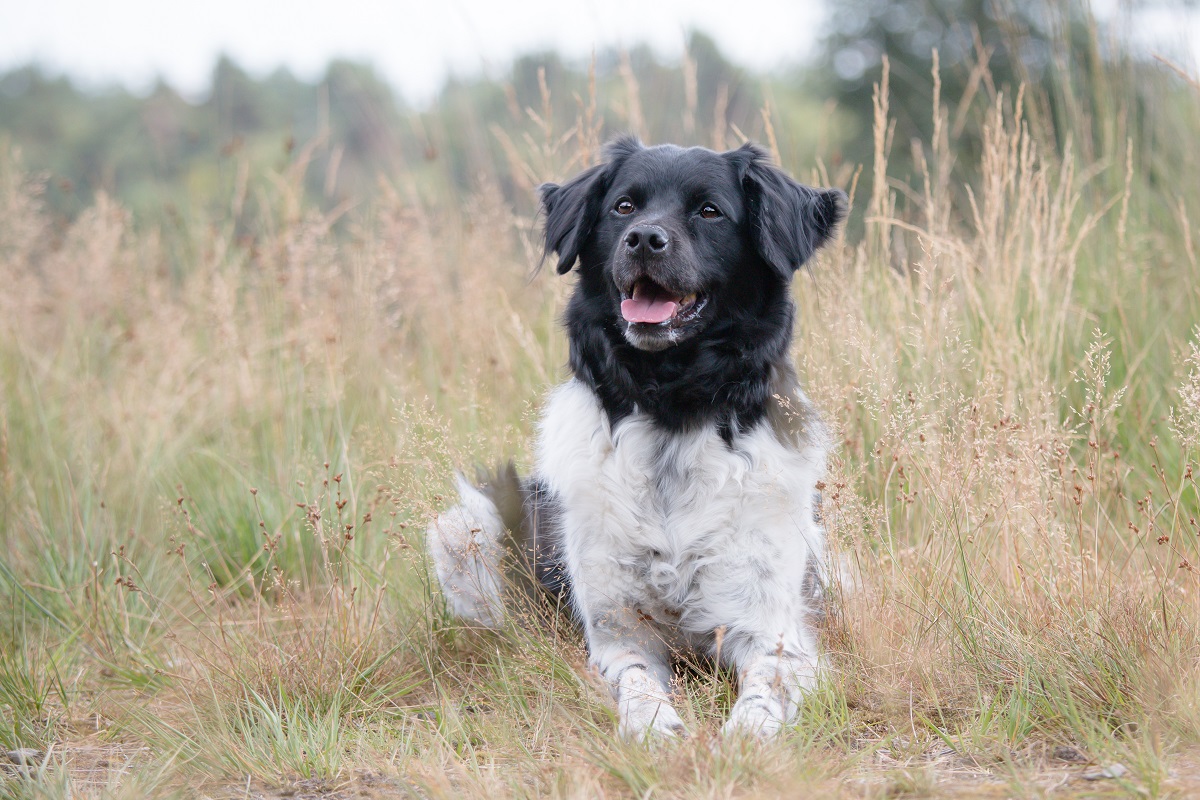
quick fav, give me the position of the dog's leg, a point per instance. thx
(632, 658)
(774, 673)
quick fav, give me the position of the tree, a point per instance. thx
(985, 48)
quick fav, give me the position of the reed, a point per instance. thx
(218, 450)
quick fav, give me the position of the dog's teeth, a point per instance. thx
(687, 301)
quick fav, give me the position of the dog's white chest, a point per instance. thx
(680, 525)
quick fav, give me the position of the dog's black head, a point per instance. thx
(685, 258)
(672, 228)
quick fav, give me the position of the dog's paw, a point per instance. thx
(754, 717)
(650, 721)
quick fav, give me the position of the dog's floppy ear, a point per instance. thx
(573, 208)
(788, 220)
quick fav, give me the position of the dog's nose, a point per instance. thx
(647, 240)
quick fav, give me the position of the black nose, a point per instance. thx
(647, 240)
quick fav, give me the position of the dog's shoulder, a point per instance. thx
(574, 434)
(794, 419)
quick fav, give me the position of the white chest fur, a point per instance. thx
(682, 529)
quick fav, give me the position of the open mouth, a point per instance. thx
(647, 303)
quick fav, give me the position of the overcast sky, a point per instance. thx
(416, 43)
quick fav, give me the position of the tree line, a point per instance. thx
(161, 154)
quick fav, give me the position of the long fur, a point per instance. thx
(673, 502)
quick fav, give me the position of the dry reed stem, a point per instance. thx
(214, 478)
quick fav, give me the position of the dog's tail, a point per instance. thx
(487, 545)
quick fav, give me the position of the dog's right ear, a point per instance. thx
(572, 209)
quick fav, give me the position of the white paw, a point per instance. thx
(754, 717)
(648, 720)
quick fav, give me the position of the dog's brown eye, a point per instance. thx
(624, 206)
(709, 211)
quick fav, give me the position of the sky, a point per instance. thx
(415, 44)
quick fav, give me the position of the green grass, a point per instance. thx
(214, 481)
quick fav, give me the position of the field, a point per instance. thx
(220, 446)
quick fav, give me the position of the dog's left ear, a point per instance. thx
(788, 220)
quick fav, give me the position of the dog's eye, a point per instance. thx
(624, 206)
(709, 211)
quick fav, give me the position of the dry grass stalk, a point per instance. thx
(212, 475)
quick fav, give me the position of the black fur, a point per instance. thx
(542, 510)
(718, 366)
(530, 514)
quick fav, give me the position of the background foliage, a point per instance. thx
(244, 343)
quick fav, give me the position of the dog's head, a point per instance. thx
(668, 234)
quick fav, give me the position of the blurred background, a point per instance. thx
(161, 104)
(265, 282)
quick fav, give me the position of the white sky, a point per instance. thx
(415, 43)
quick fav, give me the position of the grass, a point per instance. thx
(217, 458)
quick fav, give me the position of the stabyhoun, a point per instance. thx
(673, 502)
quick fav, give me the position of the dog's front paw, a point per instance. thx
(754, 716)
(649, 721)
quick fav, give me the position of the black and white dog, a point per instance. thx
(673, 502)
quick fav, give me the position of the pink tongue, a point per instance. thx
(647, 309)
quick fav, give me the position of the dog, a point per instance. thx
(674, 500)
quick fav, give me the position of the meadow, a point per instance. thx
(220, 446)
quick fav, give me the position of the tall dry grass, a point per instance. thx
(218, 446)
